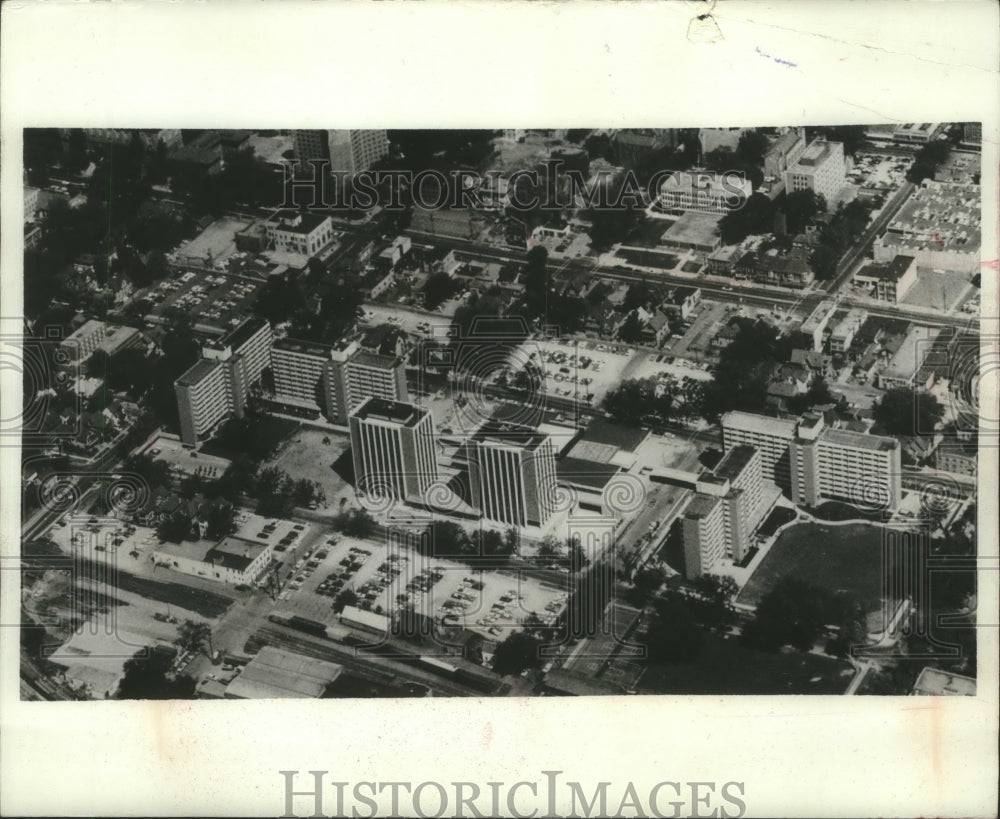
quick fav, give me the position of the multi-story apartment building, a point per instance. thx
(821, 168)
(738, 480)
(816, 323)
(838, 464)
(770, 436)
(205, 396)
(336, 379)
(393, 449)
(512, 474)
(703, 530)
(218, 384)
(348, 151)
(784, 152)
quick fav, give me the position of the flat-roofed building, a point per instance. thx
(771, 436)
(843, 334)
(204, 398)
(915, 133)
(842, 465)
(233, 560)
(250, 339)
(372, 374)
(512, 474)
(300, 372)
(888, 281)
(348, 151)
(704, 191)
(933, 682)
(96, 335)
(907, 362)
(958, 456)
(303, 233)
(820, 168)
(694, 231)
(218, 385)
(784, 152)
(939, 226)
(816, 323)
(703, 530)
(738, 480)
(393, 448)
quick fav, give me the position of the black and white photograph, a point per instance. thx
(491, 409)
(423, 413)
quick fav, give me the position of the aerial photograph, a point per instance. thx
(518, 412)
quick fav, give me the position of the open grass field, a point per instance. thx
(844, 558)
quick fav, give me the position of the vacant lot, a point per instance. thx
(845, 558)
(311, 453)
(726, 667)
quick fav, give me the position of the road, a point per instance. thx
(847, 262)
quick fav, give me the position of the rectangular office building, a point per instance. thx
(393, 449)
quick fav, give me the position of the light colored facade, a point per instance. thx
(838, 464)
(891, 281)
(939, 226)
(299, 369)
(816, 323)
(704, 191)
(232, 560)
(512, 474)
(784, 152)
(348, 151)
(703, 529)
(373, 375)
(96, 335)
(843, 334)
(31, 196)
(820, 168)
(303, 233)
(393, 449)
(771, 436)
(905, 365)
(219, 383)
(204, 398)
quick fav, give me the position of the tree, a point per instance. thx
(516, 654)
(193, 635)
(220, 520)
(346, 597)
(903, 411)
(549, 547)
(673, 635)
(648, 582)
(156, 473)
(448, 538)
(147, 677)
(438, 289)
(755, 217)
(799, 208)
(927, 160)
(175, 527)
(794, 613)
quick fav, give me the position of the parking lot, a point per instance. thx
(216, 242)
(575, 368)
(384, 580)
(173, 452)
(215, 299)
(882, 172)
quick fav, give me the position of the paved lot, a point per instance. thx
(173, 452)
(943, 291)
(217, 240)
(575, 368)
(386, 578)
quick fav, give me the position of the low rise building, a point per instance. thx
(843, 334)
(233, 560)
(888, 281)
(907, 362)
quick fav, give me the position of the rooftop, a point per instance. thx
(843, 437)
(701, 506)
(379, 409)
(234, 553)
(911, 353)
(198, 372)
(365, 358)
(585, 473)
(817, 153)
(276, 673)
(749, 422)
(938, 216)
(889, 271)
(602, 431)
(242, 333)
(735, 461)
(933, 682)
(303, 223)
(295, 345)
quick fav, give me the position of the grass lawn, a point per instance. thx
(839, 558)
(726, 667)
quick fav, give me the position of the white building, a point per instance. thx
(393, 447)
(820, 168)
